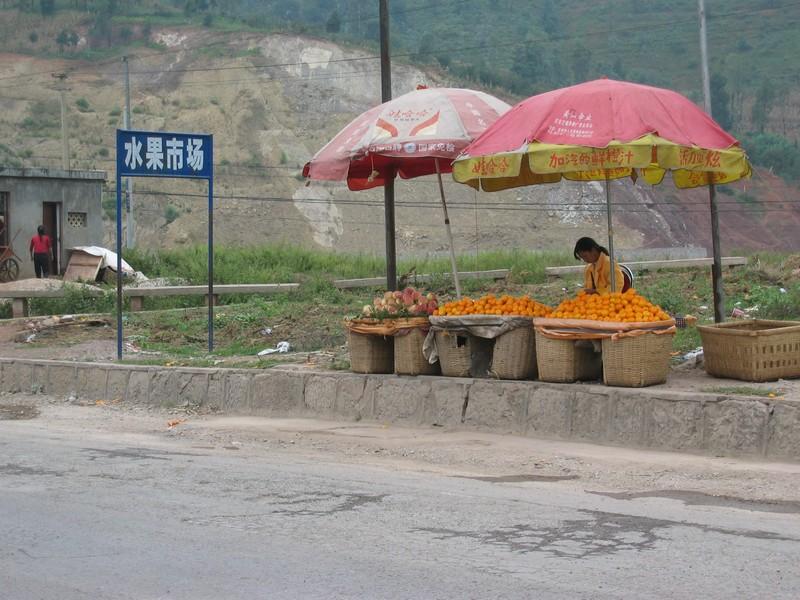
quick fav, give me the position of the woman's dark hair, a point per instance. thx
(586, 244)
(40, 229)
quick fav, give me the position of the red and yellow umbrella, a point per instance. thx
(602, 130)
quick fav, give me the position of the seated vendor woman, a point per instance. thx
(597, 275)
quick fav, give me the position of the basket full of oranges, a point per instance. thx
(636, 336)
(491, 336)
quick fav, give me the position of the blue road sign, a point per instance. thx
(164, 154)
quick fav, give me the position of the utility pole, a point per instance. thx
(701, 8)
(61, 87)
(130, 239)
(716, 268)
(388, 187)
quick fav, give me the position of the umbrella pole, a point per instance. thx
(610, 236)
(716, 267)
(389, 224)
(453, 265)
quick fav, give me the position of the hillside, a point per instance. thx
(520, 47)
(267, 121)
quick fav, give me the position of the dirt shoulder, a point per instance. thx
(746, 484)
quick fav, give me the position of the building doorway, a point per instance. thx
(51, 219)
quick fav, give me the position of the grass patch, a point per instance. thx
(686, 340)
(288, 263)
(308, 323)
(310, 319)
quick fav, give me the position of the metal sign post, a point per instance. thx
(165, 154)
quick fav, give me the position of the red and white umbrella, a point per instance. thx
(419, 133)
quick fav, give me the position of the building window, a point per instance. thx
(76, 219)
(4, 224)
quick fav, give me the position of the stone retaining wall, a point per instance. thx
(640, 418)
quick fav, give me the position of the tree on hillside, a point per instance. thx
(581, 63)
(530, 64)
(618, 68)
(549, 18)
(61, 40)
(66, 37)
(192, 7)
(101, 31)
(47, 7)
(334, 23)
(108, 7)
(427, 45)
(765, 98)
(721, 101)
(774, 152)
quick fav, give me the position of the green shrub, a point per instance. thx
(109, 204)
(776, 304)
(77, 300)
(774, 152)
(171, 213)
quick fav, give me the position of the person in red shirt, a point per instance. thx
(41, 249)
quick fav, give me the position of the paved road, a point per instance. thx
(89, 516)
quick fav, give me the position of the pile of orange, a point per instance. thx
(628, 307)
(521, 306)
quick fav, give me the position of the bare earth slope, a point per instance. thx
(268, 120)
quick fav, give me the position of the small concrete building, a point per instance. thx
(67, 203)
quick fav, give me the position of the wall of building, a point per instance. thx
(79, 192)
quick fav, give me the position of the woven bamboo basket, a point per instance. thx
(756, 350)
(408, 357)
(637, 361)
(567, 361)
(370, 353)
(514, 354)
(455, 353)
